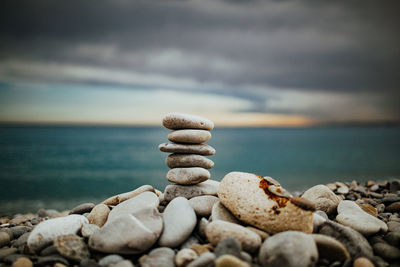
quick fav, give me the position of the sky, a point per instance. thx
(236, 62)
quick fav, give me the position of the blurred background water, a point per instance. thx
(60, 167)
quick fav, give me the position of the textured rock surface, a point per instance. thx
(175, 121)
(323, 198)
(188, 160)
(241, 194)
(290, 249)
(47, 231)
(188, 176)
(350, 214)
(200, 149)
(179, 222)
(218, 230)
(189, 136)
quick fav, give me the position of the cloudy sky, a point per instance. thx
(236, 62)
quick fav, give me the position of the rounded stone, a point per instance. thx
(290, 249)
(188, 160)
(329, 248)
(394, 207)
(387, 251)
(17, 231)
(229, 246)
(4, 239)
(202, 205)
(200, 149)
(115, 200)
(323, 198)
(110, 259)
(350, 214)
(179, 222)
(261, 233)
(230, 261)
(189, 191)
(188, 176)
(72, 247)
(218, 230)
(23, 262)
(99, 215)
(158, 257)
(363, 262)
(82, 208)
(45, 232)
(175, 121)
(219, 212)
(185, 256)
(189, 136)
(89, 229)
(205, 259)
(246, 196)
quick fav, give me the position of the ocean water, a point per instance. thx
(60, 167)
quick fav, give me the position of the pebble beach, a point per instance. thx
(244, 220)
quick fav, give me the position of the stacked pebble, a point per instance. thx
(187, 162)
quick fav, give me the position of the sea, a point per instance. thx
(59, 167)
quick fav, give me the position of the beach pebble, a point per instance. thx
(72, 247)
(50, 260)
(229, 246)
(394, 207)
(45, 232)
(82, 208)
(218, 230)
(4, 239)
(355, 243)
(318, 220)
(175, 121)
(201, 227)
(189, 242)
(99, 215)
(363, 262)
(350, 214)
(393, 226)
(17, 231)
(200, 249)
(110, 259)
(203, 205)
(241, 194)
(393, 238)
(323, 198)
(23, 262)
(188, 191)
(22, 240)
(200, 149)
(45, 213)
(158, 257)
(184, 256)
(329, 248)
(386, 251)
(5, 251)
(129, 233)
(188, 160)
(261, 233)
(230, 261)
(188, 176)
(290, 249)
(179, 222)
(219, 212)
(115, 200)
(342, 188)
(204, 260)
(189, 136)
(89, 229)
(124, 263)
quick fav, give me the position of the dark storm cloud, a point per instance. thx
(350, 46)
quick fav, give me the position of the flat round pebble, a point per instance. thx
(323, 198)
(363, 262)
(99, 215)
(189, 136)
(188, 191)
(200, 149)
(23, 262)
(184, 256)
(175, 121)
(110, 259)
(188, 160)
(158, 257)
(202, 205)
(218, 230)
(188, 176)
(229, 246)
(230, 261)
(179, 222)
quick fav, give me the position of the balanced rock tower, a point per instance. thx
(189, 166)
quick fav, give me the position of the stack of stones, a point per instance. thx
(187, 162)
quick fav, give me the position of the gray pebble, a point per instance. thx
(386, 251)
(200, 149)
(158, 257)
(50, 250)
(4, 252)
(4, 239)
(22, 240)
(48, 260)
(124, 263)
(89, 263)
(110, 259)
(19, 230)
(228, 246)
(393, 238)
(82, 208)
(204, 260)
(188, 160)
(10, 259)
